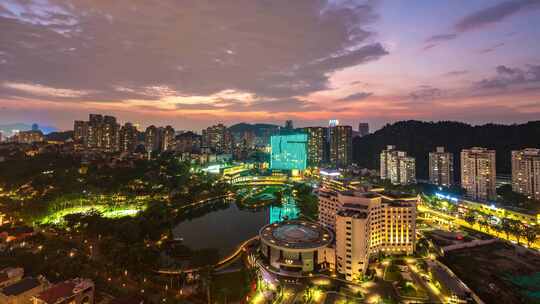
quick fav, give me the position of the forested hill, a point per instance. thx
(419, 138)
(259, 129)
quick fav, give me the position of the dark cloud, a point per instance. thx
(426, 93)
(356, 96)
(118, 50)
(491, 48)
(457, 73)
(506, 77)
(494, 14)
(441, 37)
(429, 46)
(275, 106)
(483, 17)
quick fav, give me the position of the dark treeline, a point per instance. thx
(419, 138)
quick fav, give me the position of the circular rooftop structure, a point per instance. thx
(296, 235)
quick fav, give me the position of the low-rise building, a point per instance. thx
(75, 291)
(10, 275)
(22, 291)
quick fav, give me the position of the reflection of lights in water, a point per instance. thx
(287, 211)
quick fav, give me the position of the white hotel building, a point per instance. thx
(366, 223)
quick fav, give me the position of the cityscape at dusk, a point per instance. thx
(191, 63)
(269, 152)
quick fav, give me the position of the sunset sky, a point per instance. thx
(192, 63)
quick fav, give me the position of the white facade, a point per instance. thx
(364, 224)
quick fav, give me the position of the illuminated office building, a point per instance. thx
(316, 145)
(289, 152)
(441, 167)
(397, 167)
(526, 172)
(478, 173)
(340, 142)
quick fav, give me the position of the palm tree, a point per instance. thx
(515, 228)
(506, 226)
(497, 227)
(531, 234)
(470, 218)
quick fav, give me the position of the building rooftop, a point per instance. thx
(64, 290)
(353, 213)
(296, 235)
(20, 287)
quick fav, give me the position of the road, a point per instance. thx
(461, 222)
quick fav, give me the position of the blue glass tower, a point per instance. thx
(289, 152)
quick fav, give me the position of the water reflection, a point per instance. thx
(224, 228)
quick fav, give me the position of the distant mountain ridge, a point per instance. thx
(7, 129)
(419, 138)
(259, 128)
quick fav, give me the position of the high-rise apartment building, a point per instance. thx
(218, 138)
(99, 133)
(340, 142)
(152, 139)
(110, 134)
(128, 137)
(366, 223)
(478, 173)
(316, 145)
(526, 172)
(94, 132)
(363, 129)
(397, 167)
(167, 138)
(188, 142)
(80, 131)
(441, 167)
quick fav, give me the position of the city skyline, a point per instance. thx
(308, 61)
